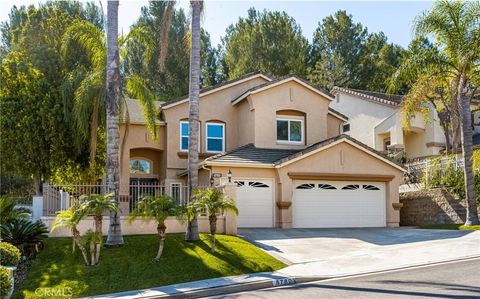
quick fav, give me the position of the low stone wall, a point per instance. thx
(138, 227)
(430, 206)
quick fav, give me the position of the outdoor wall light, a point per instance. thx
(229, 176)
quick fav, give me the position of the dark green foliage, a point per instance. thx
(25, 234)
(5, 283)
(8, 212)
(344, 54)
(270, 42)
(9, 254)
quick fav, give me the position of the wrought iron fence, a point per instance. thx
(58, 198)
(416, 171)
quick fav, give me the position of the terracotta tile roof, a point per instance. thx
(393, 100)
(336, 112)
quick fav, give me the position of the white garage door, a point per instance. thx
(338, 204)
(254, 203)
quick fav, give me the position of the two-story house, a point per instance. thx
(376, 119)
(280, 141)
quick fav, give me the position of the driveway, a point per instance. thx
(334, 252)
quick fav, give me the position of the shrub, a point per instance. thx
(25, 234)
(9, 212)
(5, 283)
(9, 254)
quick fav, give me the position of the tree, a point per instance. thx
(344, 53)
(214, 202)
(193, 116)
(115, 237)
(455, 27)
(159, 209)
(70, 219)
(270, 42)
(97, 205)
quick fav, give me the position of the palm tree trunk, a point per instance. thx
(467, 147)
(93, 133)
(92, 251)
(213, 229)
(78, 241)
(115, 237)
(99, 235)
(161, 229)
(192, 228)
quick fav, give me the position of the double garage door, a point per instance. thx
(338, 204)
(315, 204)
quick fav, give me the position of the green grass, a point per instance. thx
(132, 267)
(451, 226)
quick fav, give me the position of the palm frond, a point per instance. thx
(138, 88)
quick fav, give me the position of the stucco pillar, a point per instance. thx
(393, 207)
(230, 190)
(285, 204)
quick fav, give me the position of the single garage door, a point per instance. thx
(254, 203)
(338, 204)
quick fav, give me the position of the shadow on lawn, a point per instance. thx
(132, 267)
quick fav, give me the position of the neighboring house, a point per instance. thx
(281, 141)
(376, 120)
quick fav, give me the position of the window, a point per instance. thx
(184, 130)
(184, 135)
(215, 137)
(370, 187)
(290, 130)
(326, 186)
(351, 187)
(306, 186)
(386, 144)
(257, 185)
(140, 166)
(345, 128)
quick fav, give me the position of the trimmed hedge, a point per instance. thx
(5, 283)
(9, 254)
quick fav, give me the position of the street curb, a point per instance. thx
(281, 281)
(269, 283)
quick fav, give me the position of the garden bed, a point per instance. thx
(132, 267)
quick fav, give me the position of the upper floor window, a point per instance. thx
(184, 131)
(215, 141)
(184, 135)
(140, 166)
(290, 129)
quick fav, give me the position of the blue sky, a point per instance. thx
(394, 18)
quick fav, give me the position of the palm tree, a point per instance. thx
(455, 27)
(214, 202)
(70, 219)
(159, 209)
(98, 205)
(193, 118)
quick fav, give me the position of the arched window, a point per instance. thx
(140, 166)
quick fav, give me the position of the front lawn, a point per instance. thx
(132, 267)
(451, 226)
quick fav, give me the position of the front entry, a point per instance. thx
(338, 204)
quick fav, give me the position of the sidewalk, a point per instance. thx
(362, 262)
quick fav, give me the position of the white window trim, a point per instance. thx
(180, 134)
(206, 136)
(288, 119)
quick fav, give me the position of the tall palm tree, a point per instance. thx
(70, 219)
(159, 209)
(455, 27)
(115, 237)
(98, 205)
(193, 117)
(214, 202)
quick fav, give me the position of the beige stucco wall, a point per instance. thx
(363, 116)
(342, 158)
(216, 106)
(289, 96)
(333, 126)
(138, 137)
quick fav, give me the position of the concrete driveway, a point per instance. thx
(358, 250)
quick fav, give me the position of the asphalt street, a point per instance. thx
(450, 280)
